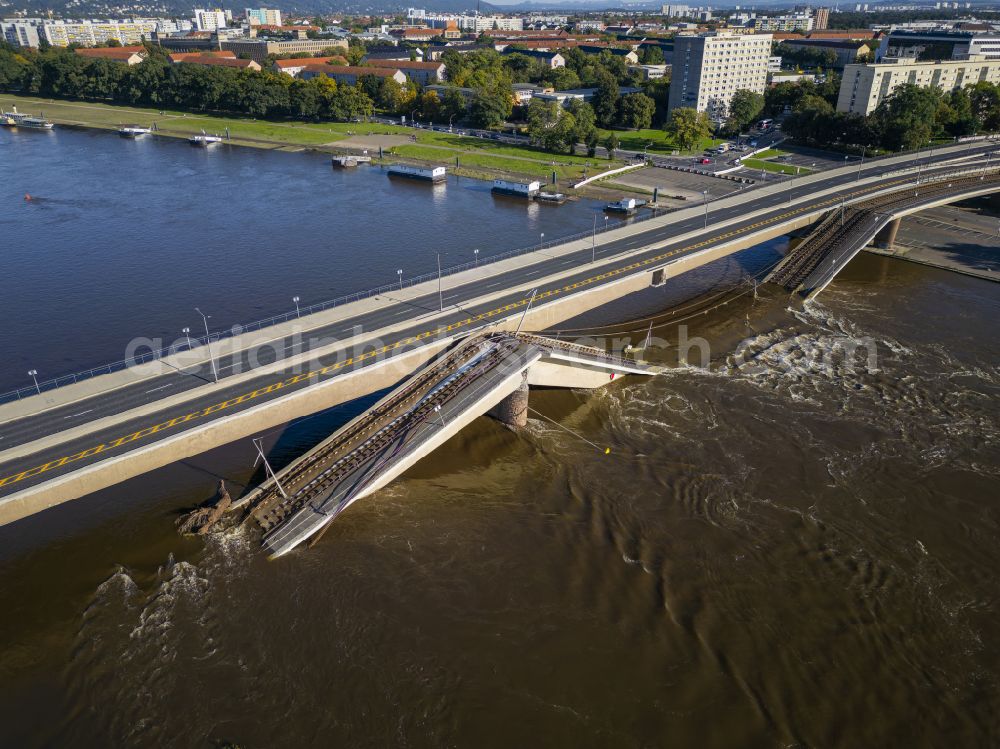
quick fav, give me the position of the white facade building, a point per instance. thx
(21, 33)
(677, 11)
(210, 20)
(709, 68)
(864, 87)
(477, 23)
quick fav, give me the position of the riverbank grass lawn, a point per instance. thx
(431, 146)
(777, 167)
(655, 141)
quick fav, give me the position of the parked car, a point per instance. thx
(704, 160)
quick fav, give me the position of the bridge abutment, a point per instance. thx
(886, 237)
(512, 411)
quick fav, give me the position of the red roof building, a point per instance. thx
(223, 62)
(296, 65)
(420, 72)
(131, 55)
(350, 75)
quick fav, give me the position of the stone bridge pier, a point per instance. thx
(512, 411)
(886, 237)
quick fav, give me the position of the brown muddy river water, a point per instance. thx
(796, 546)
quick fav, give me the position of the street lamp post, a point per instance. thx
(33, 373)
(476, 253)
(297, 312)
(705, 202)
(541, 238)
(449, 123)
(208, 340)
(593, 242)
(440, 293)
(187, 334)
(399, 272)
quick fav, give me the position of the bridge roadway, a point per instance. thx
(50, 444)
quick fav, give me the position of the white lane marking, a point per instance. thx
(162, 387)
(73, 416)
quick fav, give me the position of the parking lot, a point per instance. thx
(812, 158)
(677, 184)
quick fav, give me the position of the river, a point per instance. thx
(796, 545)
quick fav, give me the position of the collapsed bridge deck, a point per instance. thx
(299, 502)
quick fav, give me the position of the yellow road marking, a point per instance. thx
(267, 389)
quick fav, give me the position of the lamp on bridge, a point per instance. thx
(208, 342)
(33, 373)
(187, 333)
(296, 300)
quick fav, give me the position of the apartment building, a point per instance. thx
(795, 22)
(263, 17)
(709, 68)
(91, 33)
(21, 33)
(211, 20)
(864, 87)
(476, 23)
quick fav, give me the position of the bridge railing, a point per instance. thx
(238, 329)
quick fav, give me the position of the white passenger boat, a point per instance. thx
(19, 119)
(204, 140)
(133, 131)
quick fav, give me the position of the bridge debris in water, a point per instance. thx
(300, 502)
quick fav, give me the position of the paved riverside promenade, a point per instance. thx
(949, 238)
